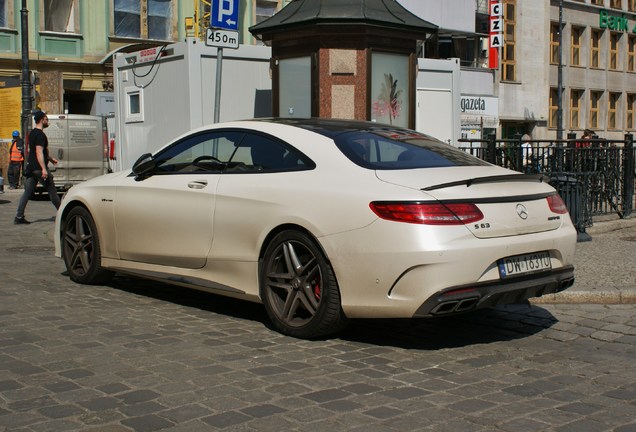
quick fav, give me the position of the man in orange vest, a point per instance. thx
(16, 159)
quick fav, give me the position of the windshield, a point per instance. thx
(400, 149)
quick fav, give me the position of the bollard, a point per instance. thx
(629, 171)
(492, 149)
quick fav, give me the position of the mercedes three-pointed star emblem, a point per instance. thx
(522, 211)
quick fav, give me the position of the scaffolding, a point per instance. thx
(197, 25)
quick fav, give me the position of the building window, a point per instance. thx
(508, 62)
(615, 4)
(595, 48)
(597, 2)
(615, 40)
(575, 46)
(264, 9)
(134, 105)
(3, 13)
(631, 5)
(576, 98)
(144, 19)
(554, 44)
(61, 16)
(554, 107)
(612, 110)
(595, 109)
(630, 120)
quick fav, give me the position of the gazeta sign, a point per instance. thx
(615, 22)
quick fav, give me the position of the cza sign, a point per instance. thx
(495, 33)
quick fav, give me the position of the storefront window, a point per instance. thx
(390, 89)
(294, 77)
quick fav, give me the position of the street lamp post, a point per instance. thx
(25, 80)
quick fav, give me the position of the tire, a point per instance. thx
(299, 289)
(81, 249)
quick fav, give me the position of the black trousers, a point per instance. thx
(29, 188)
(14, 174)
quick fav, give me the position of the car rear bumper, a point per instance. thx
(470, 297)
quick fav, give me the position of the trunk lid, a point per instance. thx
(512, 203)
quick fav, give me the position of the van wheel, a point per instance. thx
(81, 248)
(299, 288)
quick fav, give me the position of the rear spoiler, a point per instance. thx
(540, 178)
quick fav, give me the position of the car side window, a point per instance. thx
(208, 151)
(261, 153)
(230, 152)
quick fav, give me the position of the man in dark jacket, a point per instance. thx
(36, 169)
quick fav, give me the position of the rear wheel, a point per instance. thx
(298, 287)
(81, 248)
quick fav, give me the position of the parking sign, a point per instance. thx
(224, 14)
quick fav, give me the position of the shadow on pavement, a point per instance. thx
(480, 327)
(191, 298)
(485, 326)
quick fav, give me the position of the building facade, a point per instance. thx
(597, 62)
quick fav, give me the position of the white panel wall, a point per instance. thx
(447, 14)
(178, 93)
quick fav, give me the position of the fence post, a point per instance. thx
(628, 176)
(492, 149)
(569, 153)
(518, 152)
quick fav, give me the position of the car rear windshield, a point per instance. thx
(400, 149)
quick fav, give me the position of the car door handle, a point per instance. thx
(197, 184)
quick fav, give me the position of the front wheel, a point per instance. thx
(81, 248)
(299, 288)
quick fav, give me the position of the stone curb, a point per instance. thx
(622, 296)
(610, 223)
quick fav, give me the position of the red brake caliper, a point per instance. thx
(317, 289)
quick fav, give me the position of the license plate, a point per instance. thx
(523, 264)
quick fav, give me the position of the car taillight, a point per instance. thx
(556, 204)
(428, 213)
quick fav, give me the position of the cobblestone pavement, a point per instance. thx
(137, 356)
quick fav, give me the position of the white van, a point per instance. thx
(79, 142)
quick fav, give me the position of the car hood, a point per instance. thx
(512, 203)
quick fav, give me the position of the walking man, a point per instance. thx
(16, 158)
(36, 169)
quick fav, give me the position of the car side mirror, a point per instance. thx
(144, 166)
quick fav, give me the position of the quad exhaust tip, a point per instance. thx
(452, 306)
(469, 303)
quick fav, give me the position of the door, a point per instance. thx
(435, 113)
(77, 142)
(167, 218)
(57, 135)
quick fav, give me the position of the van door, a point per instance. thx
(57, 134)
(77, 141)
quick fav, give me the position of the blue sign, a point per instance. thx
(224, 14)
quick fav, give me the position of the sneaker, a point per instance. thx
(20, 221)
